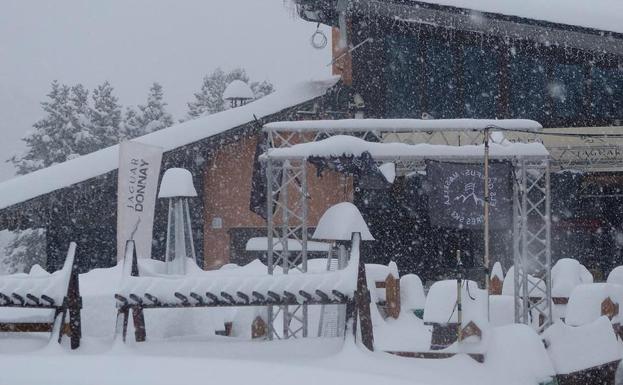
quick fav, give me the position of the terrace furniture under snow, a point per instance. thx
(441, 311)
(412, 296)
(224, 288)
(589, 302)
(51, 298)
(587, 354)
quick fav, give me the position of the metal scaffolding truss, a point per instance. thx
(287, 195)
(287, 222)
(532, 244)
(279, 137)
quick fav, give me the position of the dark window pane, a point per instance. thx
(527, 93)
(481, 82)
(607, 93)
(403, 78)
(441, 90)
(566, 90)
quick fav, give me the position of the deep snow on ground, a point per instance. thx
(191, 361)
(182, 349)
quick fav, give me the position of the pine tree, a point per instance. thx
(131, 124)
(209, 99)
(261, 89)
(81, 120)
(52, 139)
(105, 117)
(153, 116)
(26, 249)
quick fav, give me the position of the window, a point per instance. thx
(441, 83)
(481, 82)
(527, 91)
(607, 93)
(567, 90)
(403, 78)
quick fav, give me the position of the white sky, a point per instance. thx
(132, 43)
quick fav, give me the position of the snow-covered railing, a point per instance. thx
(39, 289)
(226, 288)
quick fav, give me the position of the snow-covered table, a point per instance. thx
(227, 288)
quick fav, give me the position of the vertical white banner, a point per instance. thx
(137, 185)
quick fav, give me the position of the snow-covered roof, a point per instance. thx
(404, 125)
(340, 145)
(77, 170)
(597, 14)
(238, 89)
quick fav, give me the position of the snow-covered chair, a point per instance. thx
(384, 285)
(616, 275)
(441, 312)
(412, 297)
(588, 302)
(496, 280)
(586, 354)
(567, 274)
(50, 298)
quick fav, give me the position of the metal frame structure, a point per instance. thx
(531, 235)
(532, 243)
(287, 220)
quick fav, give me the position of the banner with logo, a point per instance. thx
(137, 186)
(456, 197)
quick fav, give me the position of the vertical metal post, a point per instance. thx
(269, 229)
(284, 240)
(548, 245)
(486, 227)
(516, 242)
(304, 238)
(269, 215)
(524, 279)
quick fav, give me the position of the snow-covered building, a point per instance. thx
(76, 200)
(558, 62)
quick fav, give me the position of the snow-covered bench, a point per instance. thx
(225, 288)
(41, 302)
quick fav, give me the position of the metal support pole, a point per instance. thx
(524, 279)
(285, 218)
(486, 220)
(459, 297)
(269, 250)
(548, 245)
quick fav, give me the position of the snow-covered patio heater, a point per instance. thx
(177, 186)
(343, 224)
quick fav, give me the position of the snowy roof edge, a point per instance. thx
(579, 14)
(61, 175)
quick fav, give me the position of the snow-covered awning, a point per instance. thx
(404, 125)
(80, 169)
(345, 145)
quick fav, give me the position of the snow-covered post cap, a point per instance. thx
(339, 223)
(177, 182)
(238, 93)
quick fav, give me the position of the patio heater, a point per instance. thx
(177, 186)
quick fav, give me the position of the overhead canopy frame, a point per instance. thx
(290, 144)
